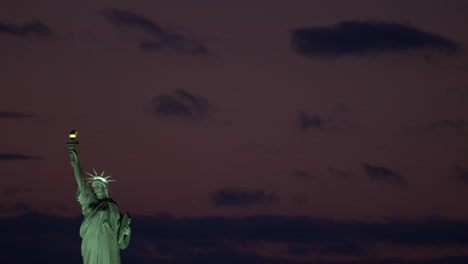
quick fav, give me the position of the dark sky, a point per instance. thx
(239, 131)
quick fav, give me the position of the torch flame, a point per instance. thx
(73, 134)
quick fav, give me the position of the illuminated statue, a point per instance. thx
(104, 230)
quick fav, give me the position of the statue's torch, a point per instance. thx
(72, 141)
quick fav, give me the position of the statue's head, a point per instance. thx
(100, 184)
(100, 189)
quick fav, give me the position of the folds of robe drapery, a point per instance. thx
(99, 229)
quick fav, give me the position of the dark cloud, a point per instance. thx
(253, 147)
(337, 122)
(11, 190)
(306, 122)
(213, 239)
(36, 27)
(302, 174)
(346, 248)
(16, 190)
(300, 199)
(16, 115)
(382, 174)
(457, 124)
(162, 37)
(9, 156)
(339, 174)
(181, 104)
(234, 196)
(371, 37)
(430, 231)
(461, 173)
(300, 250)
(459, 90)
(17, 208)
(342, 109)
(218, 239)
(57, 209)
(38, 238)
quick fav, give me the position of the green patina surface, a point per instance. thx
(105, 231)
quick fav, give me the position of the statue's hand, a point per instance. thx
(126, 230)
(73, 158)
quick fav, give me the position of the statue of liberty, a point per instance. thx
(104, 229)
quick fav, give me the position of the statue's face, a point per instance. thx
(100, 189)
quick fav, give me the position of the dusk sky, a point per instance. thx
(282, 132)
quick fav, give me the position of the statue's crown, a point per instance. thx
(100, 178)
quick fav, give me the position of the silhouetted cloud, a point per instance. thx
(215, 239)
(234, 196)
(300, 199)
(461, 91)
(61, 246)
(253, 147)
(16, 115)
(343, 248)
(371, 37)
(309, 229)
(173, 238)
(383, 175)
(300, 250)
(306, 122)
(461, 173)
(9, 156)
(35, 27)
(456, 124)
(16, 190)
(17, 208)
(335, 123)
(162, 37)
(181, 104)
(303, 174)
(339, 174)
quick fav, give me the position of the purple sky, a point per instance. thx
(350, 114)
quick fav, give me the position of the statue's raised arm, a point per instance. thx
(79, 175)
(72, 142)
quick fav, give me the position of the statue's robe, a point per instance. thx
(100, 244)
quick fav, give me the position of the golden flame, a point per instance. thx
(73, 134)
